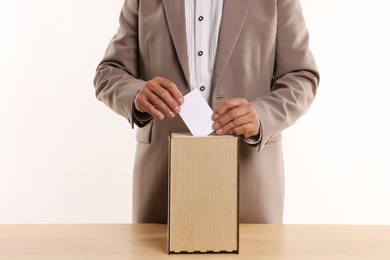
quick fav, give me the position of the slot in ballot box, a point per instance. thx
(203, 194)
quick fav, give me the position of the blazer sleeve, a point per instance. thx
(296, 77)
(117, 76)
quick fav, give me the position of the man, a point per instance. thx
(250, 59)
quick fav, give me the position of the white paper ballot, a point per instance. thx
(196, 114)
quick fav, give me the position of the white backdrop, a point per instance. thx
(66, 158)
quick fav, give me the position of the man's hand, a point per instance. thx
(158, 97)
(236, 116)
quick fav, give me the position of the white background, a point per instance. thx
(67, 158)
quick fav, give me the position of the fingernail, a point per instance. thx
(181, 101)
(219, 131)
(215, 116)
(177, 109)
(215, 126)
(171, 114)
(161, 117)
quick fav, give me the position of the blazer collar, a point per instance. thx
(233, 16)
(175, 14)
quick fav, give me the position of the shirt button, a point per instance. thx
(200, 53)
(200, 18)
(202, 88)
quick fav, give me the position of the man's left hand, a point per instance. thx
(236, 116)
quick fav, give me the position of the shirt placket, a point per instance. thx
(201, 47)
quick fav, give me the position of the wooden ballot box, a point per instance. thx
(203, 194)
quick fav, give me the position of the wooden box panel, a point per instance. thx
(203, 194)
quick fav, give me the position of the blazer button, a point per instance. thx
(202, 88)
(200, 53)
(200, 18)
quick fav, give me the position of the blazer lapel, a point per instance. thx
(175, 14)
(233, 17)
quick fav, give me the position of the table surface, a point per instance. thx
(149, 241)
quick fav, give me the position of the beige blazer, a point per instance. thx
(263, 55)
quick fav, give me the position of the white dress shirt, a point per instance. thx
(203, 20)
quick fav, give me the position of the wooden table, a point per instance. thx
(149, 242)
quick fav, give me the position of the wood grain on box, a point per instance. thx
(203, 194)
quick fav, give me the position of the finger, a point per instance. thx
(247, 130)
(167, 99)
(234, 124)
(228, 104)
(229, 116)
(160, 105)
(149, 108)
(172, 89)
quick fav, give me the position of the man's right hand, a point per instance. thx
(159, 96)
